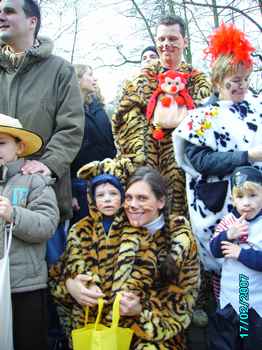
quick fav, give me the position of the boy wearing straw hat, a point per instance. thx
(28, 203)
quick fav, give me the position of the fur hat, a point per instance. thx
(12, 126)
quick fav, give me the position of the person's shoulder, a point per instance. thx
(44, 50)
(253, 98)
(61, 64)
(40, 180)
(146, 74)
(180, 232)
(178, 225)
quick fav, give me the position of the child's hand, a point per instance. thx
(239, 229)
(75, 204)
(34, 166)
(230, 250)
(255, 154)
(6, 209)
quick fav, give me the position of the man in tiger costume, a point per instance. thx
(132, 131)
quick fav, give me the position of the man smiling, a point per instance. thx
(132, 131)
(42, 91)
(171, 42)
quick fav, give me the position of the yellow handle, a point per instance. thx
(99, 312)
(116, 311)
(100, 309)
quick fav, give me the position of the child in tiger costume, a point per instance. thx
(167, 297)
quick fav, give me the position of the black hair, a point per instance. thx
(152, 177)
(171, 20)
(149, 48)
(32, 9)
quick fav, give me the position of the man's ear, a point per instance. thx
(185, 42)
(33, 22)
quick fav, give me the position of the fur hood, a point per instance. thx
(43, 49)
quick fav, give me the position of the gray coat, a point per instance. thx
(35, 218)
(43, 93)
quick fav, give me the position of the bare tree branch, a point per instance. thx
(145, 21)
(226, 7)
(125, 60)
(75, 34)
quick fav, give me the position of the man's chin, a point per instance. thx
(5, 37)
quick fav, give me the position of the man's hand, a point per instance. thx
(6, 209)
(34, 166)
(83, 295)
(230, 250)
(240, 228)
(130, 304)
(255, 154)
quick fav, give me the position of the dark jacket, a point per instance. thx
(212, 163)
(98, 142)
(43, 93)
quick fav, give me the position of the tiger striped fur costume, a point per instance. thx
(167, 307)
(133, 133)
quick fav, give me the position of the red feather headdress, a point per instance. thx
(227, 40)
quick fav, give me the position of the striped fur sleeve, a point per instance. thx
(137, 262)
(168, 311)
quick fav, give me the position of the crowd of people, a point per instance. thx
(96, 208)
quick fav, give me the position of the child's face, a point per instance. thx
(10, 149)
(248, 201)
(108, 199)
(234, 87)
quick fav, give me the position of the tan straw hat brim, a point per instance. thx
(32, 141)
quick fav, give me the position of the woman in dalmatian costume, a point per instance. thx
(213, 140)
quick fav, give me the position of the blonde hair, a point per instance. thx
(247, 186)
(223, 67)
(87, 95)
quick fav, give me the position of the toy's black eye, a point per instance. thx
(177, 83)
(169, 83)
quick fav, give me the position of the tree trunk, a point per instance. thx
(187, 51)
(171, 7)
(75, 35)
(215, 13)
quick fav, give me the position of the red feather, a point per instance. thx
(227, 40)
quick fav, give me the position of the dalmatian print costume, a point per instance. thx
(224, 127)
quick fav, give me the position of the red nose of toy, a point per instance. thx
(174, 89)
